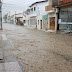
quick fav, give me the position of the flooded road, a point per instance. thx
(38, 51)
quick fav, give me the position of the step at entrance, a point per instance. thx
(10, 67)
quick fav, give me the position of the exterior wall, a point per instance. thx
(0, 19)
(19, 21)
(66, 1)
(39, 18)
(11, 16)
(33, 22)
(0, 15)
(14, 12)
(52, 13)
(60, 2)
(50, 2)
(65, 27)
(65, 20)
(20, 16)
(26, 20)
(40, 10)
(45, 22)
(10, 19)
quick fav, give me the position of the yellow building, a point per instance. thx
(52, 16)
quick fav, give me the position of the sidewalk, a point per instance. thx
(1, 50)
(7, 62)
(1, 35)
(10, 67)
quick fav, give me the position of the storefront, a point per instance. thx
(65, 18)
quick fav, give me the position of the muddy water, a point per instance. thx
(38, 51)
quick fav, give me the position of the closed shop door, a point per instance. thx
(52, 23)
(33, 21)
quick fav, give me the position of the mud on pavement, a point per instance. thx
(38, 51)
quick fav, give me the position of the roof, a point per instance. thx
(38, 2)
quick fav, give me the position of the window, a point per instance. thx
(34, 8)
(24, 21)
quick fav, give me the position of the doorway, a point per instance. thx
(41, 24)
(52, 23)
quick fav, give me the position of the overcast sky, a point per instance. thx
(12, 5)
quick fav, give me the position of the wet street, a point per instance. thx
(37, 51)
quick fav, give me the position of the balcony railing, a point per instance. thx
(48, 8)
(59, 2)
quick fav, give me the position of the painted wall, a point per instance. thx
(40, 10)
(0, 19)
(65, 27)
(66, 1)
(14, 12)
(45, 22)
(26, 20)
(50, 2)
(39, 18)
(11, 16)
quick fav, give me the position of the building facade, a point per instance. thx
(36, 12)
(64, 15)
(15, 17)
(45, 22)
(52, 16)
(59, 15)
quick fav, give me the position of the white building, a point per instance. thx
(35, 13)
(15, 17)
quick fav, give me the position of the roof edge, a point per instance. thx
(38, 2)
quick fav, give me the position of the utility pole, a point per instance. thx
(0, 15)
